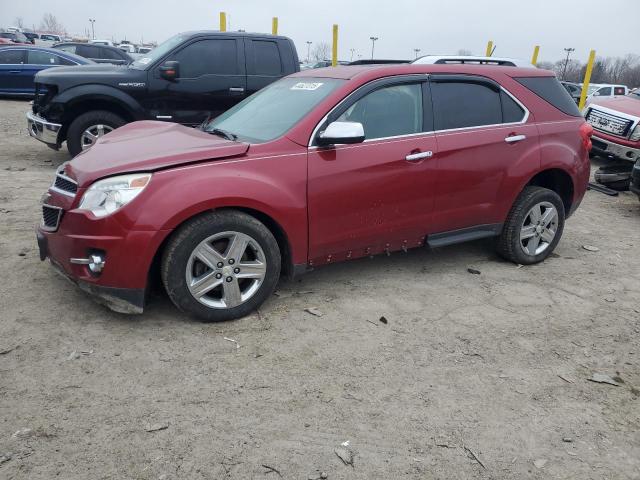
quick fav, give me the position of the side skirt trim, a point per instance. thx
(464, 235)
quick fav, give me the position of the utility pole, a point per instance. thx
(566, 62)
(353, 50)
(93, 33)
(417, 51)
(308, 50)
(373, 45)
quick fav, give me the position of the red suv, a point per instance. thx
(320, 167)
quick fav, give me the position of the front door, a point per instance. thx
(374, 196)
(212, 80)
(486, 141)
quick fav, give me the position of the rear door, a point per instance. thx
(377, 195)
(39, 60)
(265, 62)
(484, 142)
(212, 80)
(11, 66)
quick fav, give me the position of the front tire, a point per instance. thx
(221, 266)
(533, 227)
(88, 127)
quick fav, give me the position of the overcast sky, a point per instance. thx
(442, 26)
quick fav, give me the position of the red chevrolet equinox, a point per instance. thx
(320, 167)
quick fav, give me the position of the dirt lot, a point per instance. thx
(473, 376)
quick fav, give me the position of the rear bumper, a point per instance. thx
(41, 129)
(606, 147)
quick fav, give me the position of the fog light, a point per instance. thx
(95, 262)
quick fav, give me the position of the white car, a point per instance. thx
(602, 91)
(50, 38)
(102, 42)
(471, 59)
(127, 47)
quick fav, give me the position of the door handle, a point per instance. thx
(515, 138)
(237, 89)
(15, 71)
(414, 157)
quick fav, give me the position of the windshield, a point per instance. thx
(272, 111)
(158, 52)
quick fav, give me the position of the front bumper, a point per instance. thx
(41, 129)
(609, 148)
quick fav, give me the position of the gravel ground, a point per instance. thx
(472, 376)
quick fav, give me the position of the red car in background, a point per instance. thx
(319, 167)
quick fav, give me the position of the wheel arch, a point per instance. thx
(557, 180)
(282, 239)
(84, 99)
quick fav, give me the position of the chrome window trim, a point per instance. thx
(423, 76)
(524, 120)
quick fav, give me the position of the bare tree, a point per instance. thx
(320, 51)
(19, 22)
(51, 24)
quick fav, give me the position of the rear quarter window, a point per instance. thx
(552, 91)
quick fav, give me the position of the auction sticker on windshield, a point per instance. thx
(307, 86)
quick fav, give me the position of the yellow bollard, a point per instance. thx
(223, 22)
(534, 58)
(489, 48)
(587, 79)
(334, 53)
(274, 25)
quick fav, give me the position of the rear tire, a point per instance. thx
(95, 118)
(533, 227)
(206, 277)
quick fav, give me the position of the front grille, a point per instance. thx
(605, 122)
(51, 217)
(64, 184)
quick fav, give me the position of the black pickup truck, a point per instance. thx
(188, 78)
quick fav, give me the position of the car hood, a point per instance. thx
(627, 105)
(147, 146)
(92, 73)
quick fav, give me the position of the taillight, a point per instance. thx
(586, 130)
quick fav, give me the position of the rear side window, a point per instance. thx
(208, 57)
(465, 104)
(619, 91)
(67, 48)
(11, 57)
(110, 54)
(266, 58)
(552, 91)
(88, 51)
(511, 111)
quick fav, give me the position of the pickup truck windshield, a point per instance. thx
(158, 52)
(271, 112)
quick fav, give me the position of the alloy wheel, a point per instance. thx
(91, 134)
(225, 270)
(539, 228)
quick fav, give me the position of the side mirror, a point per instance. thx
(170, 71)
(338, 133)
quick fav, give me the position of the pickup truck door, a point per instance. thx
(212, 79)
(266, 62)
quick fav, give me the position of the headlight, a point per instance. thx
(635, 136)
(106, 196)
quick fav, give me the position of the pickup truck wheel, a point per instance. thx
(533, 227)
(88, 127)
(221, 266)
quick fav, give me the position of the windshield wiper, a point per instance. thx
(223, 133)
